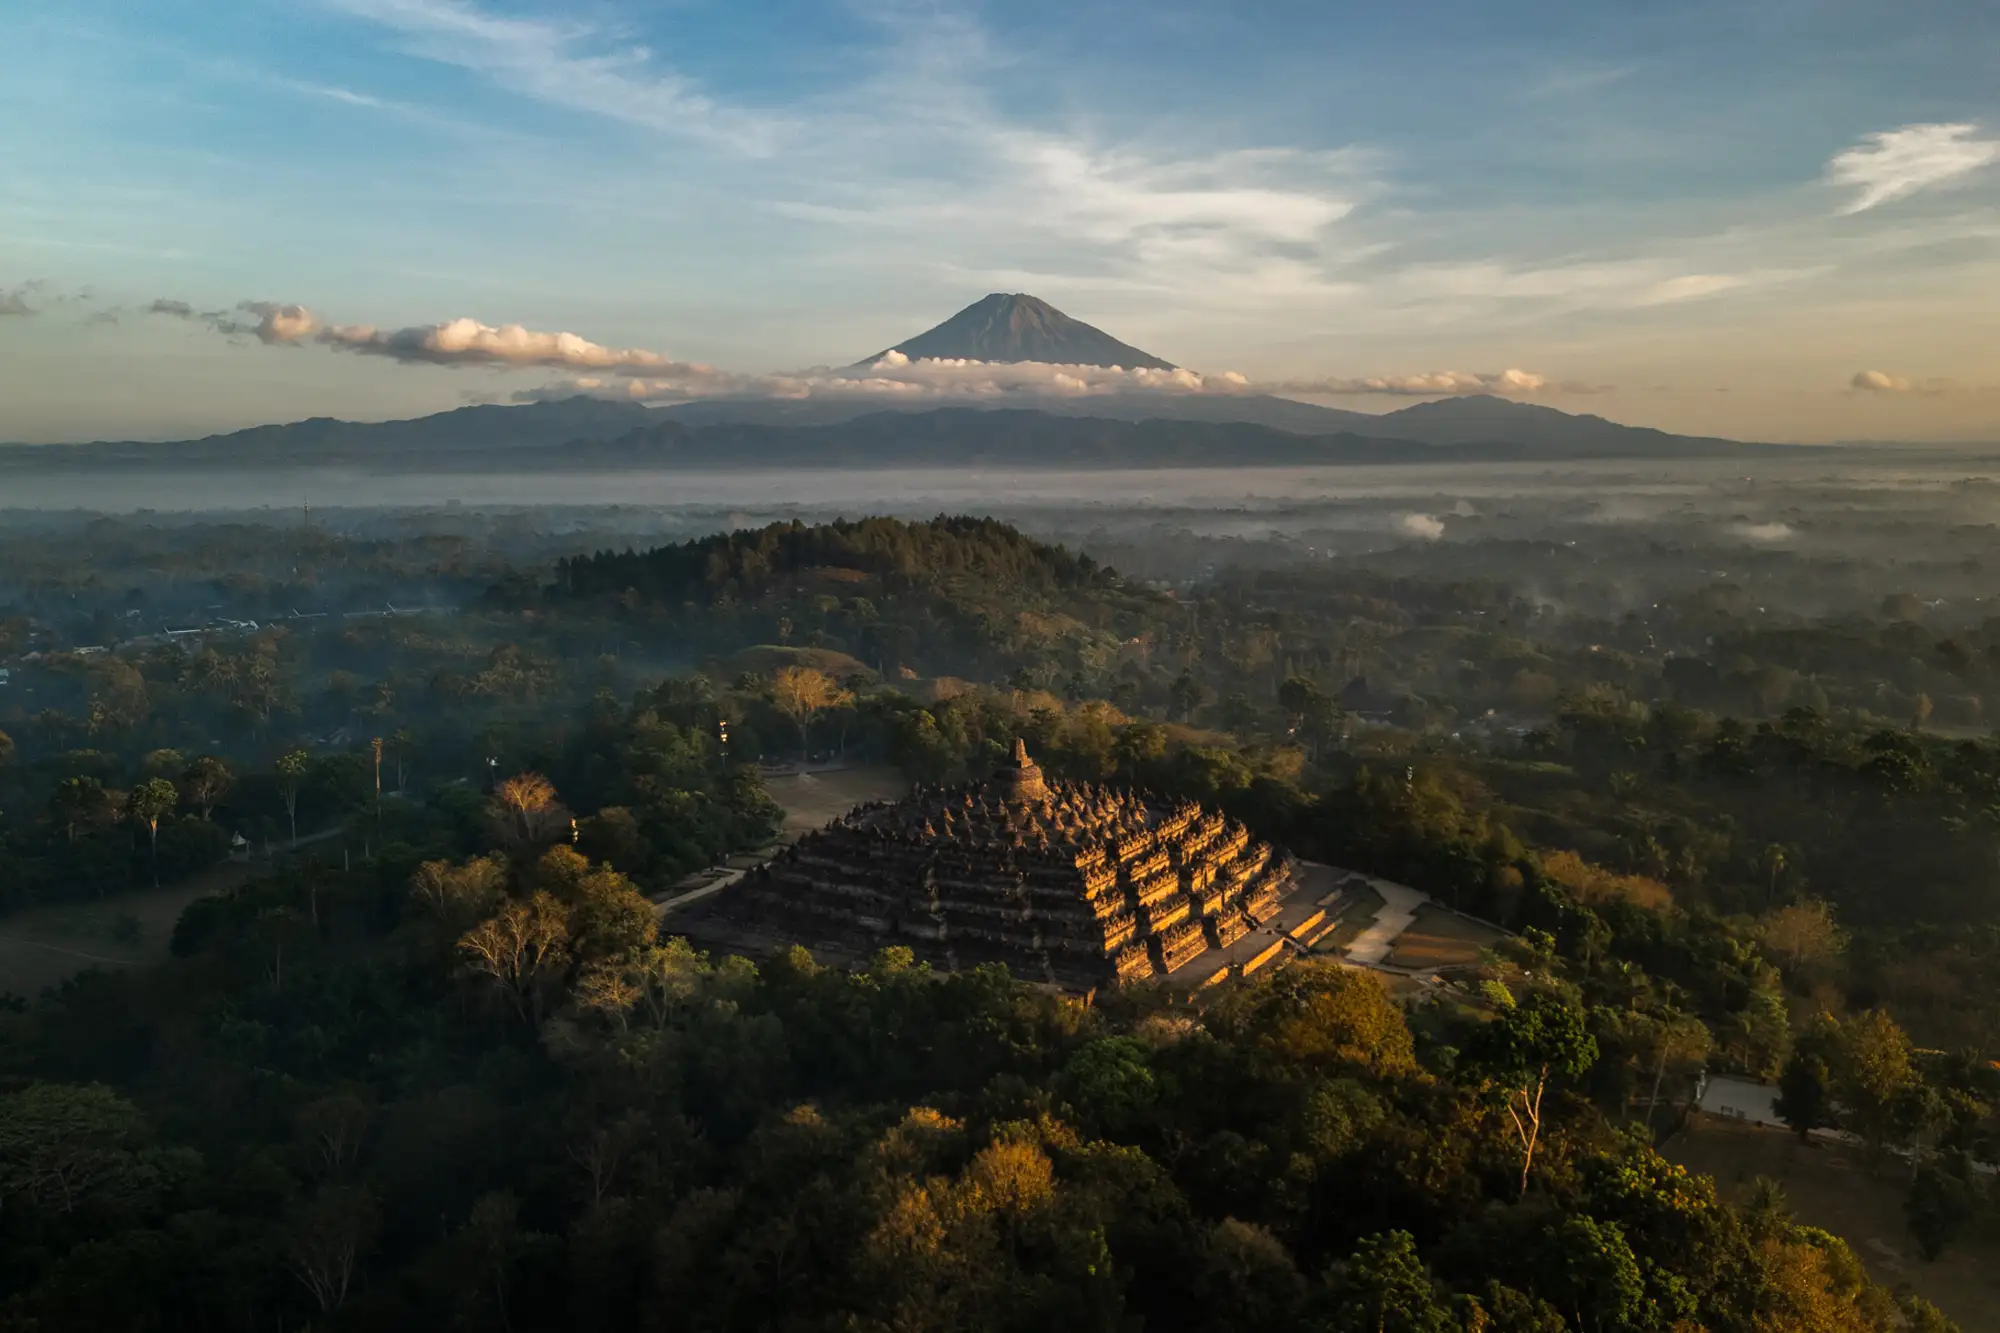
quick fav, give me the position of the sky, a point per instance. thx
(1769, 219)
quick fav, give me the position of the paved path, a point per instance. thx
(1399, 909)
(715, 886)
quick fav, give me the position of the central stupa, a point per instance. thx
(1069, 882)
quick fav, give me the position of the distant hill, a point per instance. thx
(1003, 438)
(1018, 327)
(485, 427)
(581, 433)
(1483, 419)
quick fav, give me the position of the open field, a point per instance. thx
(1438, 938)
(1832, 1187)
(811, 799)
(43, 946)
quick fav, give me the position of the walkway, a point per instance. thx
(1399, 910)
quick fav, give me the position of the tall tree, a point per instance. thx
(149, 802)
(293, 766)
(1527, 1045)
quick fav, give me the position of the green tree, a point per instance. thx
(1941, 1204)
(1527, 1045)
(1803, 1101)
(1589, 1272)
(204, 782)
(63, 1145)
(1385, 1288)
(78, 803)
(149, 802)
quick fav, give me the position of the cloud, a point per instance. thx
(467, 342)
(1434, 384)
(1894, 163)
(1876, 381)
(15, 300)
(640, 374)
(278, 324)
(568, 64)
(1424, 527)
(1880, 381)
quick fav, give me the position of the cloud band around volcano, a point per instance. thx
(640, 375)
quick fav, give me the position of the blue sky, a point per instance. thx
(1773, 218)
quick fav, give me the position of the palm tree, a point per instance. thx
(148, 802)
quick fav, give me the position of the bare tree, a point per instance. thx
(324, 1241)
(521, 949)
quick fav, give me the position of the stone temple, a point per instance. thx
(1069, 882)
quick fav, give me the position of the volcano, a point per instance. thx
(1018, 327)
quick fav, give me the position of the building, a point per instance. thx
(1741, 1099)
(1072, 883)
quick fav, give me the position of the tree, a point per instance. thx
(1183, 697)
(1528, 1044)
(460, 892)
(1803, 1101)
(204, 782)
(1384, 1288)
(149, 801)
(522, 949)
(63, 1144)
(1680, 1040)
(1802, 936)
(1941, 1204)
(293, 766)
(325, 1239)
(1589, 1271)
(802, 693)
(1873, 1073)
(526, 806)
(401, 746)
(78, 803)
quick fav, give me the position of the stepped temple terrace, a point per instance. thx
(1066, 882)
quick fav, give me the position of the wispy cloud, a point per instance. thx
(569, 64)
(1434, 384)
(1882, 382)
(1895, 163)
(15, 300)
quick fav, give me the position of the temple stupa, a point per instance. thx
(1070, 882)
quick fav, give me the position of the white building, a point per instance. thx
(1741, 1099)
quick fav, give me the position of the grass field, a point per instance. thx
(811, 799)
(1355, 912)
(45, 945)
(1438, 938)
(1832, 1187)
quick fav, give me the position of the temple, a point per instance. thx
(1073, 883)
